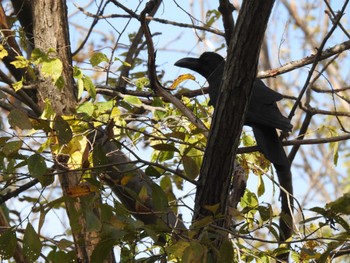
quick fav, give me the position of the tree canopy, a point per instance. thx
(109, 153)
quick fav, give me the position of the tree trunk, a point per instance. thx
(50, 28)
(240, 72)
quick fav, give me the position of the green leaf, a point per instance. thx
(164, 156)
(177, 249)
(176, 134)
(89, 86)
(340, 205)
(48, 112)
(203, 222)
(141, 83)
(61, 256)
(52, 68)
(143, 194)
(319, 210)
(63, 131)
(249, 199)
(31, 244)
(18, 118)
(261, 186)
(37, 165)
(102, 107)
(212, 16)
(11, 148)
(126, 64)
(80, 88)
(194, 252)
(190, 166)
(64, 243)
(247, 140)
(266, 213)
(343, 223)
(133, 100)
(59, 83)
(226, 251)
(99, 157)
(38, 55)
(87, 108)
(77, 73)
(3, 140)
(92, 222)
(335, 152)
(152, 172)
(159, 198)
(8, 242)
(102, 249)
(97, 58)
(165, 147)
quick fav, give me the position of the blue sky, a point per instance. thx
(174, 43)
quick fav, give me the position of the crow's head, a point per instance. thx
(211, 66)
(205, 65)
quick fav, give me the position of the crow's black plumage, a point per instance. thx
(262, 115)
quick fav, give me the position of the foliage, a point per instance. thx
(167, 148)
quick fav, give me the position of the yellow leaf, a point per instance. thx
(125, 179)
(180, 79)
(79, 190)
(75, 160)
(212, 208)
(75, 148)
(3, 52)
(20, 62)
(17, 85)
(143, 194)
(118, 224)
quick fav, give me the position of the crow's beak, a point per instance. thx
(190, 63)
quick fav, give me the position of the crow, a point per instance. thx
(263, 116)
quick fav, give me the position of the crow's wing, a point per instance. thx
(263, 109)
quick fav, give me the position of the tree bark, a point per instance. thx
(50, 27)
(240, 72)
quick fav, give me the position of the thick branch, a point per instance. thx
(226, 9)
(240, 72)
(47, 36)
(51, 31)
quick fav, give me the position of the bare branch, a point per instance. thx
(321, 55)
(158, 88)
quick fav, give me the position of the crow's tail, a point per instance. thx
(271, 146)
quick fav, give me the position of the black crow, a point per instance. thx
(263, 116)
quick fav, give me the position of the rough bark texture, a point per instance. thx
(50, 27)
(226, 9)
(236, 87)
